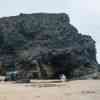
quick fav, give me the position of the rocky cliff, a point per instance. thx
(46, 43)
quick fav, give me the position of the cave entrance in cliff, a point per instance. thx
(62, 65)
(68, 72)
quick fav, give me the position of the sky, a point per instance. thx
(84, 14)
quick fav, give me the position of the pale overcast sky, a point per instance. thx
(84, 14)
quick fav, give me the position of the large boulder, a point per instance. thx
(51, 40)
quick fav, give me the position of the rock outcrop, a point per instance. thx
(46, 44)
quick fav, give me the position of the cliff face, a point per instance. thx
(48, 41)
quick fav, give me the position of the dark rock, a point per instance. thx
(51, 41)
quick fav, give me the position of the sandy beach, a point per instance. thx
(72, 90)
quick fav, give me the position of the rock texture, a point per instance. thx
(45, 45)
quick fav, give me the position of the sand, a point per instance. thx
(72, 90)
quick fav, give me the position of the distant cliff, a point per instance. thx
(48, 40)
